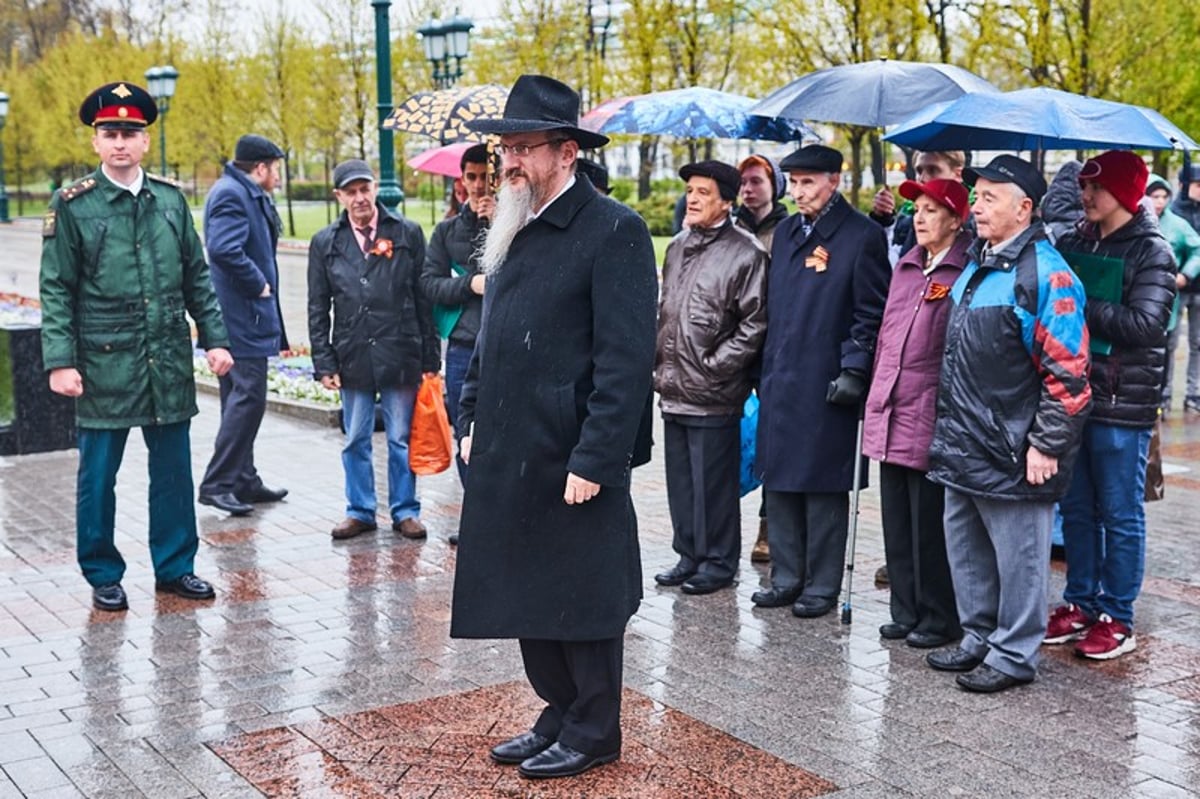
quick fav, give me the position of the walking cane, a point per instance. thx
(853, 526)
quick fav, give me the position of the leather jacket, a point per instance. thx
(712, 319)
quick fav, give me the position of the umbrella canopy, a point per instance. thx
(693, 113)
(445, 160)
(1038, 119)
(444, 114)
(874, 93)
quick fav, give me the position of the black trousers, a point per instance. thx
(580, 682)
(808, 541)
(914, 541)
(243, 403)
(702, 456)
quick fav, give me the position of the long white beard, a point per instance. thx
(513, 207)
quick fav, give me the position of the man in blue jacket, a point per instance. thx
(241, 228)
(1012, 400)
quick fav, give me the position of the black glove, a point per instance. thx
(848, 389)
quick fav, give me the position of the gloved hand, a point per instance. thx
(848, 389)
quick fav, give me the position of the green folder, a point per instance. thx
(445, 317)
(1103, 279)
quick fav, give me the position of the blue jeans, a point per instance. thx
(1104, 521)
(458, 358)
(358, 413)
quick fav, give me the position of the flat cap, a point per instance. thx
(252, 148)
(349, 171)
(1010, 169)
(728, 179)
(597, 173)
(813, 158)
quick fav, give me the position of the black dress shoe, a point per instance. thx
(561, 760)
(262, 494)
(453, 540)
(986, 680)
(955, 659)
(226, 502)
(521, 748)
(705, 584)
(894, 631)
(920, 639)
(109, 597)
(810, 607)
(678, 575)
(775, 597)
(189, 586)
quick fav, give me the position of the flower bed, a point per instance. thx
(18, 311)
(289, 377)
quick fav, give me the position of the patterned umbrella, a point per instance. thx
(692, 113)
(443, 114)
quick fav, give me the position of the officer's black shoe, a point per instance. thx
(189, 586)
(109, 597)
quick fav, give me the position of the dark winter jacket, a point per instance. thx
(1189, 209)
(1062, 207)
(1014, 372)
(1127, 381)
(454, 242)
(764, 229)
(382, 332)
(712, 317)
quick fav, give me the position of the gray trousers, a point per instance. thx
(807, 541)
(243, 403)
(1000, 561)
(702, 455)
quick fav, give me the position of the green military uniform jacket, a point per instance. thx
(118, 274)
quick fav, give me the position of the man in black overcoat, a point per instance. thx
(825, 295)
(557, 386)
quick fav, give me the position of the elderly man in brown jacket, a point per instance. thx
(712, 320)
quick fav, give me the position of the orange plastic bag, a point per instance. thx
(430, 446)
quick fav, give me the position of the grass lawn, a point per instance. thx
(309, 217)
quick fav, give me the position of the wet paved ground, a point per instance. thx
(325, 669)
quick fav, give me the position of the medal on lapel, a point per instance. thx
(819, 260)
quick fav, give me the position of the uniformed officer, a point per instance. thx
(121, 265)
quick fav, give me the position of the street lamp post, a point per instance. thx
(3, 193)
(390, 193)
(444, 41)
(160, 82)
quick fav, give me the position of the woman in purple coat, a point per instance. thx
(900, 408)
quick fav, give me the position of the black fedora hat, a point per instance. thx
(537, 102)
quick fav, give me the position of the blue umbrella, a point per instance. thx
(693, 113)
(1038, 119)
(872, 93)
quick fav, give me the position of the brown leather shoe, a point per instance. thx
(410, 528)
(350, 527)
(761, 552)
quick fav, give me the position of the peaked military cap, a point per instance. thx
(120, 105)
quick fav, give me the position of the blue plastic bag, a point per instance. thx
(749, 480)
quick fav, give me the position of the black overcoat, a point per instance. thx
(558, 383)
(818, 323)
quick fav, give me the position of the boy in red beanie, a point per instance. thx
(1128, 272)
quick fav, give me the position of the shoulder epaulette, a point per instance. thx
(165, 179)
(78, 188)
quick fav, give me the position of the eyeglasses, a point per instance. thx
(522, 150)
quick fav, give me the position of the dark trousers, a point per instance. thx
(914, 540)
(173, 541)
(702, 456)
(458, 358)
(808, 541)
(580, 682)
(243, 403)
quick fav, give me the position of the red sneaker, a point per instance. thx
(1107, 639)
(1067, 623)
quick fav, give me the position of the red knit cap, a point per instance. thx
(1121, 172)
